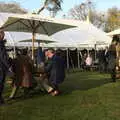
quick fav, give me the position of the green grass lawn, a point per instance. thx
(86, 96)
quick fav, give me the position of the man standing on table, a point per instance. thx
(4, 64)
(55, 69)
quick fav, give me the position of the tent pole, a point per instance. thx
(78, 58)
(14, 49)
(67, 58)
(72, 62)
(95, 51)
(33, 39)
(88, 51)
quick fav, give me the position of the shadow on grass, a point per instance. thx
(75, 81)
(19, 98)
(84, 82)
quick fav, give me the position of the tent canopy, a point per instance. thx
(85, 34)
(13, 38)
(36, 23)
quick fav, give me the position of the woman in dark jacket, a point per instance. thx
(22, 68)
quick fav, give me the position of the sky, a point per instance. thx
(101, 5)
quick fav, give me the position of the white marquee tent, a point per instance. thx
(14, 38)
(84, 36)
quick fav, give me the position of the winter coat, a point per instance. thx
(111, 57)
(4, 58)
(56, 70)
(22, 67)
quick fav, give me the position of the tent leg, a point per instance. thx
(68, 59)
(33, 39)
(78, 58)
(95, 52)
(72, 62)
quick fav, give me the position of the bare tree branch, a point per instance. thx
(56, 6)
(80, 12)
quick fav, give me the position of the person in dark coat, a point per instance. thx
(102, 61)
(22, 69)
(112, 56)
(4, 64)
(55, 69)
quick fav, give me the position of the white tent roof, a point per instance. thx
(85, 34)
(14, 38)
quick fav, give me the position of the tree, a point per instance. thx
(113, 19)
(12, 7)
(84, 10)
(52, 6)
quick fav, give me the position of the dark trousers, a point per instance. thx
(101, 67)
(113, 74)
(2, 80)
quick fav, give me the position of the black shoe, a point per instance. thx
(10, 98)
(2, 102)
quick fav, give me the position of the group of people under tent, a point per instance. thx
(49, 73)
(107, 60)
